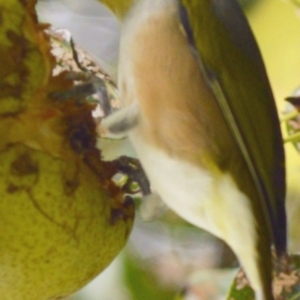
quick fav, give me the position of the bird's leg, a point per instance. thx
(152, 205)
(133, 169)
(91, 83)
(118, 124)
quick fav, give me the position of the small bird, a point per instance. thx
(200, 113)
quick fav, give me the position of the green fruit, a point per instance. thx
(57, 227)
(62, 219)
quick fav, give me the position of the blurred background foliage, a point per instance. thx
(167, 255)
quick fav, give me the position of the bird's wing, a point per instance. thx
(228, 55)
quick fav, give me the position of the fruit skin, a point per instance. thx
(24, 55)
(62, 219)
(57, 229)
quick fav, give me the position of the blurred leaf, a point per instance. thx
(207, 284)
(142, 284)
(286, 284)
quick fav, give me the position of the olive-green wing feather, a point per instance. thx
(228, 55)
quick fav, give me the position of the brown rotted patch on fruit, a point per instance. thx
(8, 90)
(11, 63)
(70, 179)
(12, 188)
(23, 165)
(122, 208)
(104, 170)
(124, 215)
(79, 126)
(123, 212)
(79, 130)
(70, 186)
(80, 134)
(80, 138)
(11, 58)
(59, 85)
(30, 8)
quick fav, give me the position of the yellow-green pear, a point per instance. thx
(62, 219)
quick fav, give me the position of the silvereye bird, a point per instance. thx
(200, 113)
